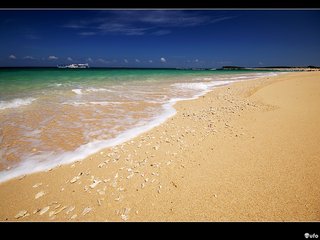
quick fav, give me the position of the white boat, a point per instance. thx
(74, 65)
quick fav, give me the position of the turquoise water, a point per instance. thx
(13, 81)
(56, 116)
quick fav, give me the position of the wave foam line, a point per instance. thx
(15, 103)
(35, 164)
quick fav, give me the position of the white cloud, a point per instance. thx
(87, 33)
(197, 60)
(121, 28)
(101, 60)
(69, 59)
(89, 59)
(137, 60)
(12, 56)
(52, 58)
(163, 18)
(260, 63)
(150, 61)
(125, 60)
(75, 26)
(163, 60)
(28, 57)
(154, 22)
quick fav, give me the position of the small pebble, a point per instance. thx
(39, 195)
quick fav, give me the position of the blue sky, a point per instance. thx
(160, 38)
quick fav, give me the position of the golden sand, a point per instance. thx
(244, 152)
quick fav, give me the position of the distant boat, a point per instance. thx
(74, 65)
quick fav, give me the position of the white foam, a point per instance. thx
(200, 86)
(105, 103)
(77, 91)
(91, 89)
(98, 90)
(74, 103)
(18, 102)
(48, 160)
(192, 86)
(56, 85)
(102, 103)
(37, 163)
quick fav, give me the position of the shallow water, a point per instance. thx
(55, 116)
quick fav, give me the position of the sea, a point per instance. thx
(51, 116)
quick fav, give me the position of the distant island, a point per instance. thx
(224, 68)
(273, 68)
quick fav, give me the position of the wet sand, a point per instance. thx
(244, 152)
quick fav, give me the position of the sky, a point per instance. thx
(160, 38)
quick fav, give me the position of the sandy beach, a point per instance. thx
(243, 152)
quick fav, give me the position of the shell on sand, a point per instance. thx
(126, 211)
(86, 210)
(124, 216)
(95, 183)
(73, 180)
(101, 165)
(58, 205)
(99, 201)
(118, 198)
(21, 214)
(44, 210)
(56, 212)
(130, 176)
(37, 210)
(37, 185)
(70, 209)
(39, 195)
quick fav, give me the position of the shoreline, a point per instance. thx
(193, 167)
(36, 164)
